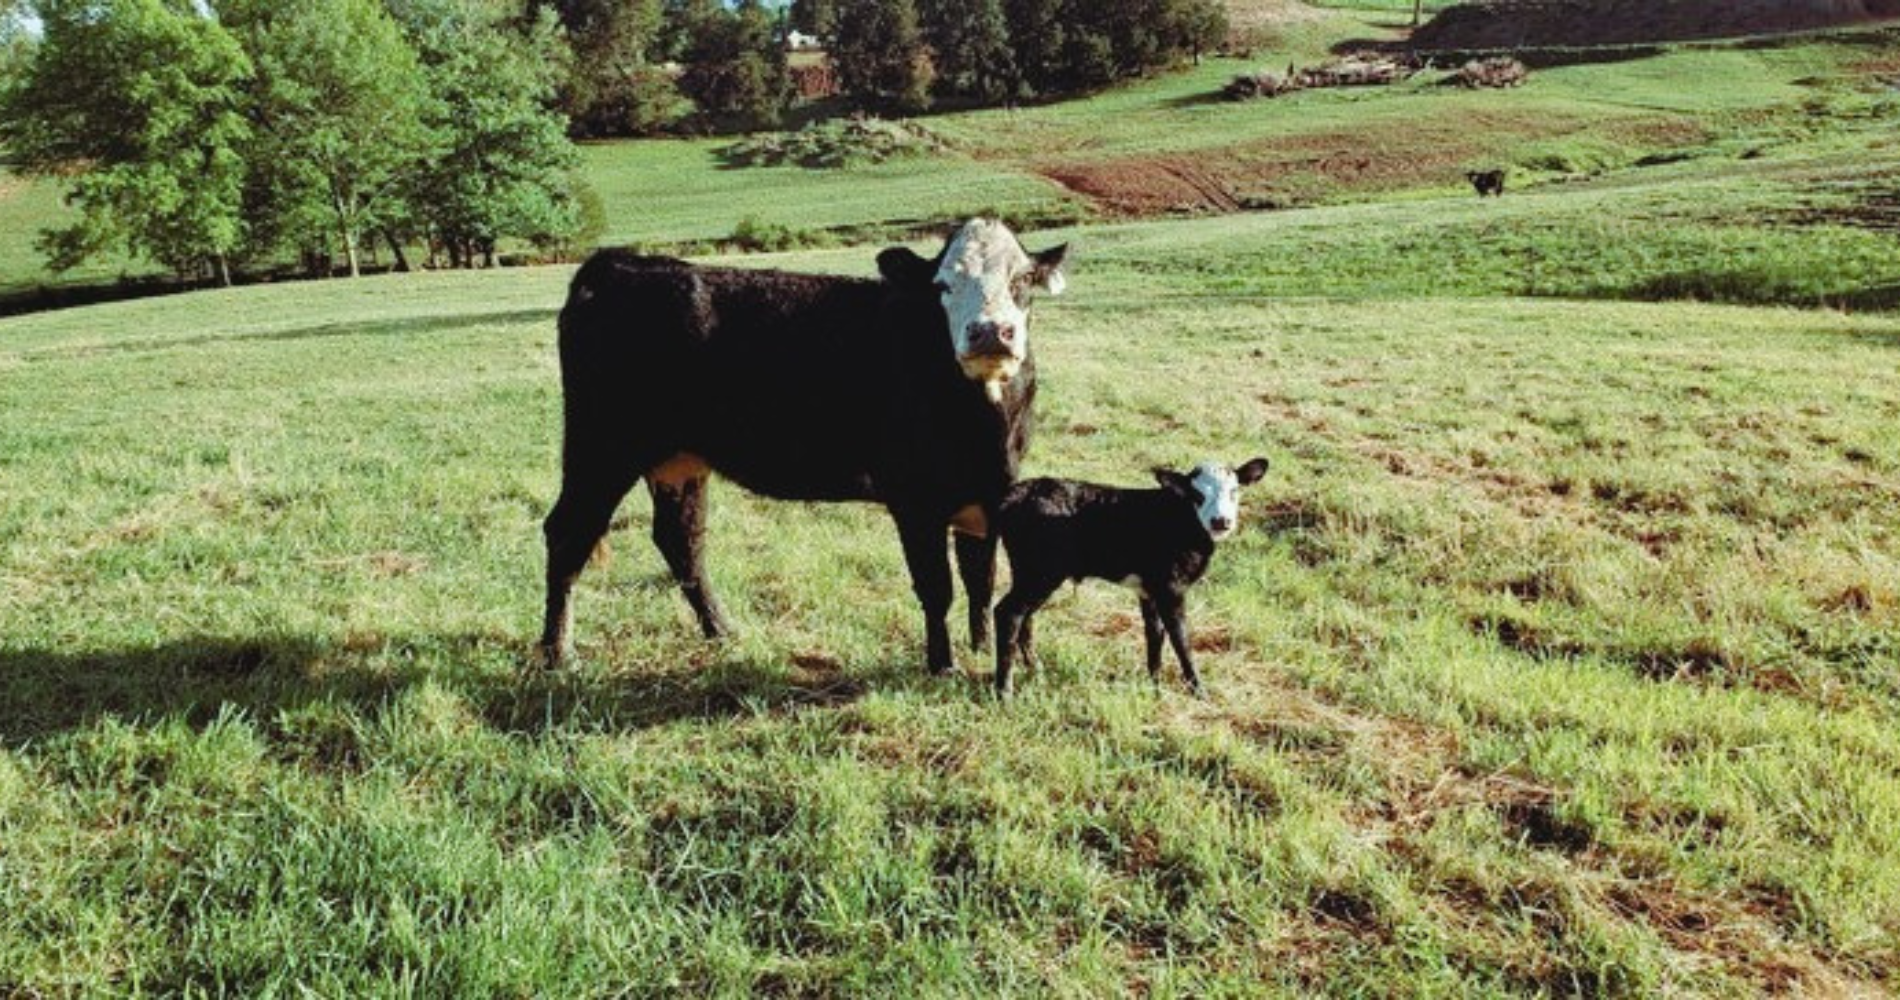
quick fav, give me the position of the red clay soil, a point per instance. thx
(1295, 170)
(1509, 24)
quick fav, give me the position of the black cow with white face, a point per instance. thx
(913, 391)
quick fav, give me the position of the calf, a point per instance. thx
(1158, 541)
(1488, 183)
(913, 390)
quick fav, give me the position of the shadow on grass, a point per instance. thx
(44, 693)
(1745, 288)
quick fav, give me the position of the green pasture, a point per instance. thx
(1557, 655)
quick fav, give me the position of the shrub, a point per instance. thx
(757, 235)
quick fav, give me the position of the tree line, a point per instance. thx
(636, 61)
(220, 136)
(217, 136)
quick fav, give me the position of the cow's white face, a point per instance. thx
(985, 280)
(1214, 489)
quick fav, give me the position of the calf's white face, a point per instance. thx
(985, 280)
(1214, 489)
(1220, 498)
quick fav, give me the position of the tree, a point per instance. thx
(970, 48)
(340, 102)
(1036, 35)
(1194, 26)
(611, 84)
(814, 17)
(504, 167)
(735, 68)
(878, 49)
(137, 104)
(16, 42)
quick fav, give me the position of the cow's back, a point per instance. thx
(797, 386)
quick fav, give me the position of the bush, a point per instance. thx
(757, 235)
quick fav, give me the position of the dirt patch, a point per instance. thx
(1510, 24)
(1151, 185)
(1286, 171)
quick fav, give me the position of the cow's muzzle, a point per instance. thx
(993, 340)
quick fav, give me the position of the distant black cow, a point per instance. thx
(1487, 182)
(913, 391)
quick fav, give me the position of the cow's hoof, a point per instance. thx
(552, 657)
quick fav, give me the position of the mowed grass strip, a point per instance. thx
(1557, 655)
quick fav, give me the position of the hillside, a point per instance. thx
(1500, 24)
(1170, 146)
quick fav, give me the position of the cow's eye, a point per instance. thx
(943, 287)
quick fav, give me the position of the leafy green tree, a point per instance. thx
(1188, 27)
(735, 68)
(878, 49)
(504, 167)
(137, 105)
(16, 42)
(612, 84)
(341, 104)
(813, 17)
(970, 48)
(1037, 36)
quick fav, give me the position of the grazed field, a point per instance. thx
(1558, 654)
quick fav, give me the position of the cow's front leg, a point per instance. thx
(927, 553)
(976, 563)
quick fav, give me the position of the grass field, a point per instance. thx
(1558, 654)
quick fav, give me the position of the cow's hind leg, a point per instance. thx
(573, 529)
(678, 488)
(976, 563)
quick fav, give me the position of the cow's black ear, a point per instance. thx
(902, 265)
(1250, 473)
(1049, 276)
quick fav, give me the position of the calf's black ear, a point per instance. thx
(1175, 481)
(902, 265)
(1250, 473)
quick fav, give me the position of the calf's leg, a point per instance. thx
(1151, 631)
(678, 488)
(576, 525)
(1014, 615)
(927, 553)
(1174, 617)
(976, 563)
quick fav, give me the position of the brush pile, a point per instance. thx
(856, 141)
(1502, 71)
(1358, 69)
